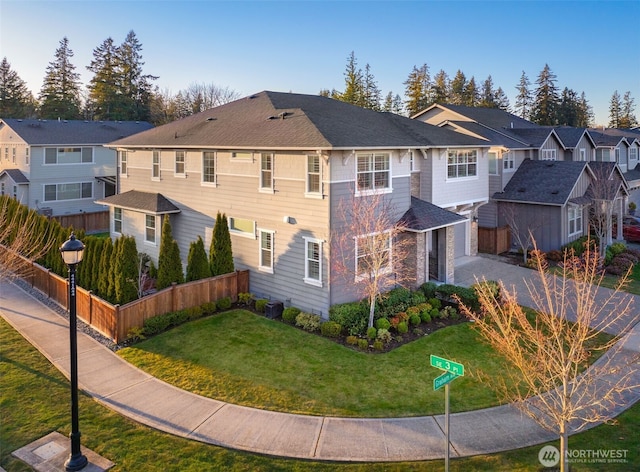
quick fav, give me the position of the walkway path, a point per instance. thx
(135, 394)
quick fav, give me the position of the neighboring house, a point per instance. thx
(60, 167)
(577, 142)
(278, 165)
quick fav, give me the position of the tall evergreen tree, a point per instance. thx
(627, 116)
(440, 89)
(353, 81)
(169, 262)
(135, 87)
(104, 91)
(111, 268)
(60, 92)
(458, 89)
(16, 101)
(220, 253)
(126, 273)
(524, 99)
(568, 108)
(585, 112)
(417, 89)
(371, 92)
(488, 94)
(471, 93)
(545, 105)
(502, 101)
(615, 110)
(393, 104)
(197, 261)
(104, 264)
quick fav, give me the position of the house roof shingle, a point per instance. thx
(527, 186)
(423, 216)
(491, 117)
(16, 175)
(54, 132)
(141, 201)
(275, 120)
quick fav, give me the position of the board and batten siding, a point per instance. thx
(544, 220)
(236, 193)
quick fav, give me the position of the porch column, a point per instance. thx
(619, 216)
(449, 254)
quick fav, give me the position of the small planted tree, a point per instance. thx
(103, 270)
(169, 262)
(220, 254)
(126, 271)
(197, 262)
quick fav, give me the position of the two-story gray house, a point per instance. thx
(278, 164)
(60, 167)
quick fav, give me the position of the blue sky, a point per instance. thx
(302, 46)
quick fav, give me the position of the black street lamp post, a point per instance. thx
(72, 252)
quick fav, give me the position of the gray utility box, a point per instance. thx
(273, 309)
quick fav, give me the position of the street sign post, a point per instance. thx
(452, 370)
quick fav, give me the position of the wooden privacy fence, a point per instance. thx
(96, 222)
(494, 240)
(116, 321)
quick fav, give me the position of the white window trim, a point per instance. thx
(466, 177)
(156, 178)
(374, 191)
(509, 160)
(123, 172)
(267, 188)
(389, 268)
(242, 234)
(44, 187)
(316, 282)
(578, 217)
(583, 154)
(633, 154)
(182, 174)
(263, 268)
(616, 154)
(548, 155)
(203, 182)
(117, 219)
(497, 160)
(244, 156)
(57, 148)
(155, 230)
(308, 193)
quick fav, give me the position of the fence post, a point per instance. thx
(174, 300)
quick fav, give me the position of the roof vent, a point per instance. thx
(555, 192)
(549, 163)
(522, 189)
(211, 118)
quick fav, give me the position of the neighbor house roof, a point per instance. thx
(536, 137)
(492, 117)
(542, 182)
(570, 136)
(16, 175)
(275, 120)
(495, 137)
(423, 216)
(54, 132)
(606, 140)
(146, 202)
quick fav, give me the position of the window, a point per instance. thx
(155, 165)
(241, 156)
(547, 154)
(2, 188)
(633, 154)
(179, 168)
(606, 155)
(150, 228)
(583, 154)
(6, 153)
(13, 152)
(266, 171)
(313, 174)
(266, 251)
(209, 167)
(617, 155)
(373, 172)
(117, 220)
(373, 254)
(575, 220)
(313, 261)
(69, 155)
(242, 227)
(26, 155)
(122, 157)
(412, 162)
(461, 163)
(493, 163)
(73, 191)
(508, 161)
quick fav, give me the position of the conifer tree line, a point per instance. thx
(120, 90)
(115, 270)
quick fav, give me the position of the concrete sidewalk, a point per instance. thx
(135, 394)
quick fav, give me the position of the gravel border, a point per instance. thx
(82, 326)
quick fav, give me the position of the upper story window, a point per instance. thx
(68, 155)
(14, 154)
(633, 154)
(155, 165)
(72, 191)
(180, 161)
(117, 220)
(122, 158)
(313, 261)
(314, 177)
(266, 171)
(617, 154)
(150, 228)
(493, 163)
(26, 155)
(462, 163)
(508, 161)
(606, 155)
(373, 172)
(583, 154)
(241, 156)
(209, 167)
(547, 154)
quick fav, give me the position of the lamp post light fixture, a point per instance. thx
(72, 252)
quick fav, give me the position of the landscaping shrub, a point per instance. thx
(177, 318)
(418, 331)
(402, 327)
(352, 340)
(261, 303)
(378, 345)
(435, 303)
(467, 296)
(578, 246)
(208, 308)
(429, 289)
(245, 298)
(384, 335)
(308, 322)
(413, 310)
(156, 324)
(435, 313)
(491, 284)
(555, 256)
(395, 301)
(330, 329)
(353, 317)
(382, 323)
(414, 320)
(224, 303)
(194, 312)
(289, 314)
(621, 263)
(363, 344)
(418, 297)
(372, 332)
(425, 317)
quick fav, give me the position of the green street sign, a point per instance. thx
(445, 364)
(443, 380)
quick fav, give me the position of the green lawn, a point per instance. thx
(34, 400)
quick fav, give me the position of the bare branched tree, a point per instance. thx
(22, 239)
(550, 378)
(522, 230)
(603, 190)
(370, 247)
